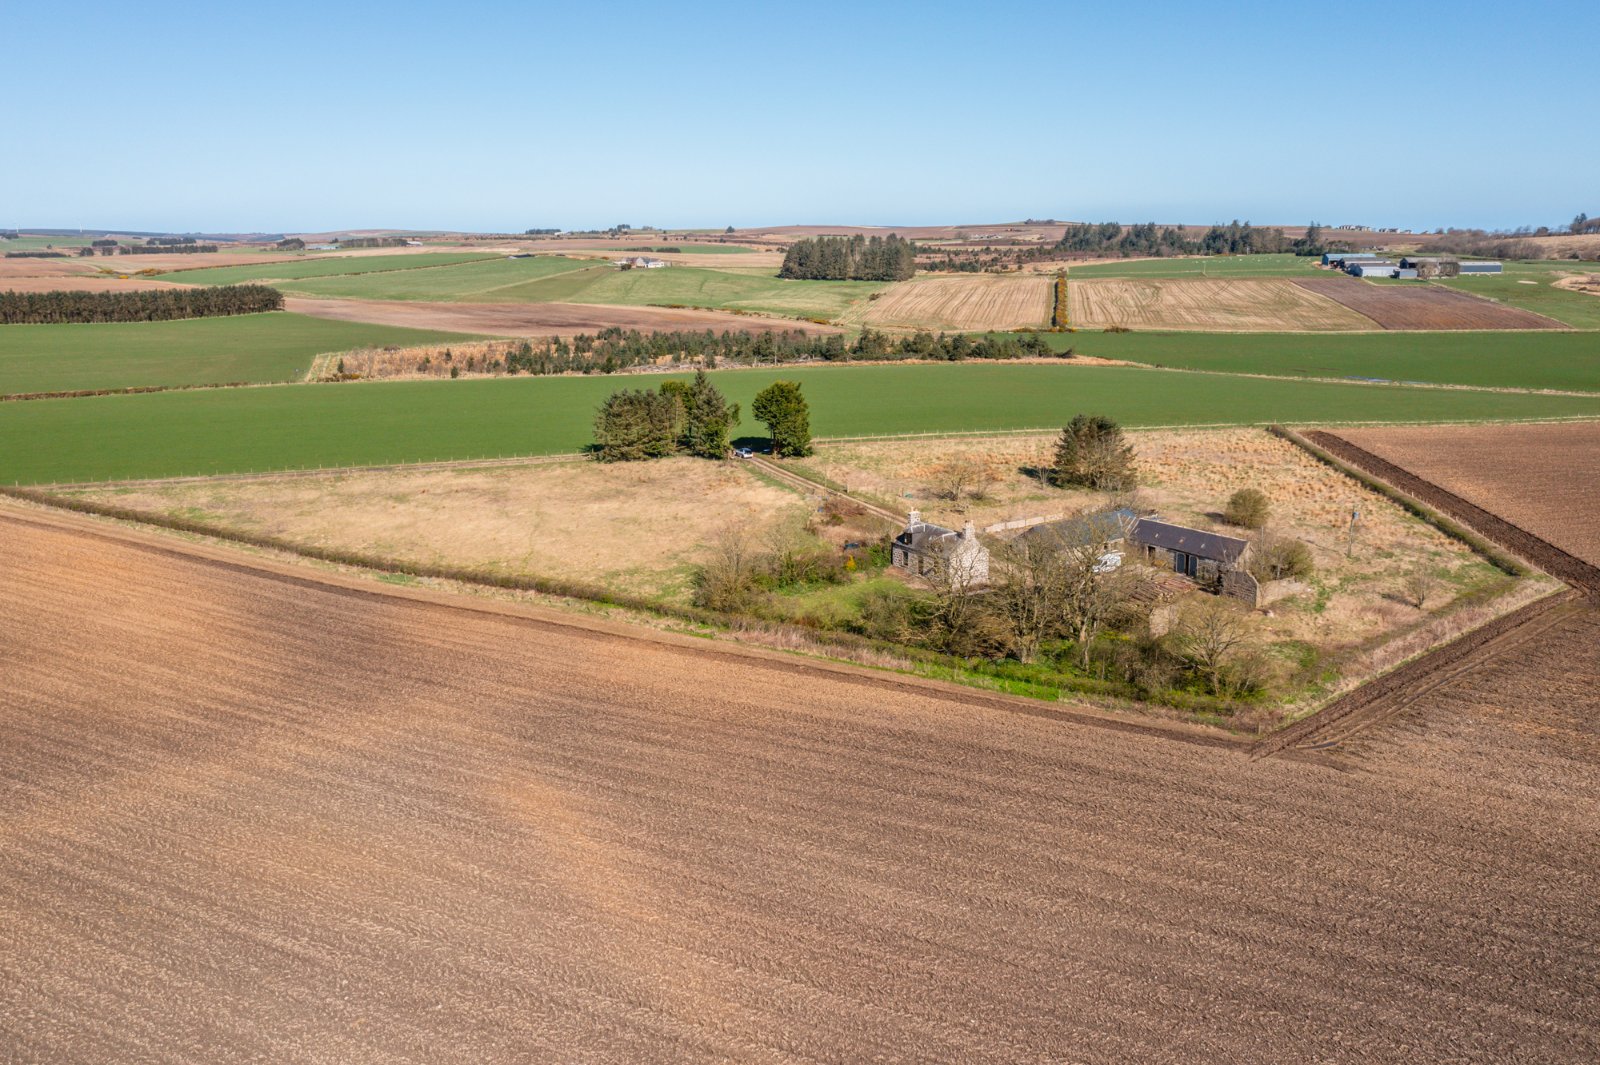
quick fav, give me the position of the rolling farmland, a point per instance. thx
(1532, 287)
(1555, 360)
(1211, 304)
(321, 266)
(1223, 266)
(540, 319)
(295, 816)
(196, 351)
(962, 302)
(178, 433)
(484, 280)
(562, 280)
(1423, 306)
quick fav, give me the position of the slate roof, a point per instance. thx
(1102, 527)
(1198, 542)
(922, 535)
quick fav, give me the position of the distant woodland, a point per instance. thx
(854, 258)
(51, 308)
(1112, 239)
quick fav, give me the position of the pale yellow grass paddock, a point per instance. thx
(961, 302)
(1221, 304)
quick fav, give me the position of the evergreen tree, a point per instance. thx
(632, 425)
(1092, 453)
(708, 419)
(787, 416)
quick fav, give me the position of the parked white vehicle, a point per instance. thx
(1107, 562)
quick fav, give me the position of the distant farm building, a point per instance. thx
(1468, 269)
(1372, 268)
(924, 549)
(639, 262)
(1338, 259)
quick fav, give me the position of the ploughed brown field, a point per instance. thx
(537, 319)
(1543, 478)
(256, 813)
(1423, 306)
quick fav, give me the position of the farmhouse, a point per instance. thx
(639, 262)
(923, 548)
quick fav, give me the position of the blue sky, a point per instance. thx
(308, 116)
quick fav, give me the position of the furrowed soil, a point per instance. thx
(1246, 304)
(962, 302)
(538, 319)
(1423, 306)
(252, 813)
(1542, 479)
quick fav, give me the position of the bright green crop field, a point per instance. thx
(485, 281)
(1516, 359)
(1204, 266)
(321, 266)
(694, 286)
(230, 430)
(198, 351)
(555, 279)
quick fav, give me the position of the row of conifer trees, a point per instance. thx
(53, 308)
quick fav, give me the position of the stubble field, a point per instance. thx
(1249, 304)
(964, 302)
(292, 820)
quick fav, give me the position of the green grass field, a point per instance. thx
(320, 266)
(1521, 359)
(696, 287)
(556, 279)
(176, 433)
(1215, 266)
(1530, 286)
(486, 281)
(249, 347)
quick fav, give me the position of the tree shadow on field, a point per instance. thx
(758, 444)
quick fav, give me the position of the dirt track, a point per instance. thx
(538, 319)
(253, 819)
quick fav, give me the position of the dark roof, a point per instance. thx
(920, 536)
(1100, 527)
(1197, 542)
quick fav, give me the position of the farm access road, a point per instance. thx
(253, 812)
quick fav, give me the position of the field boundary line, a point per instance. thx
(1387, 694)
(225, 555)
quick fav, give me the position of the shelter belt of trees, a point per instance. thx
(151, 306)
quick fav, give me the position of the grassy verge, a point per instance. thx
(1412, 505)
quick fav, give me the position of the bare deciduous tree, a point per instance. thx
(1061, 580)
(1214, 634)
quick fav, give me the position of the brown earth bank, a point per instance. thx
(1543, 479)
(540, 319)
(1423, 306)
(249, 816)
